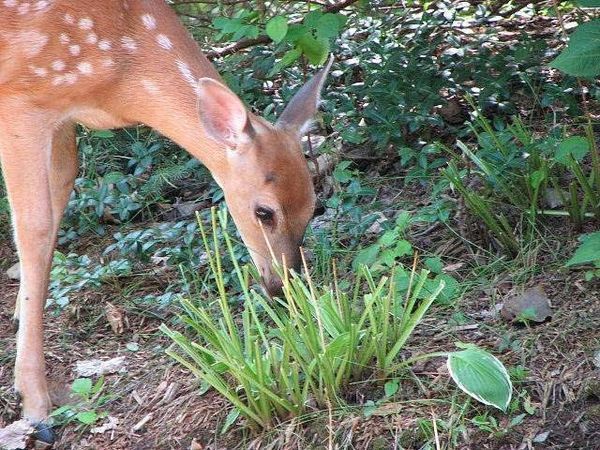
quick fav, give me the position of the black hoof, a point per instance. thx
(44, 433)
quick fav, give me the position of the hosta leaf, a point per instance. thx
(575, 146)
(482, 376)
(589, 250)
(582, 56)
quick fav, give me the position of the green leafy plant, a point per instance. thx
(588, 254)
(274, 357)
(88, 399)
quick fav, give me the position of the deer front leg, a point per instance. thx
(63, 171)
(25, 155)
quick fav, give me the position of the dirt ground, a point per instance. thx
(163, 404)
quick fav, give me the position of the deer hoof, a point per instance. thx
(44, 434)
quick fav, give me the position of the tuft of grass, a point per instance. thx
(279, 360)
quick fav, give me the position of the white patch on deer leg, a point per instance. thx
(68, 18)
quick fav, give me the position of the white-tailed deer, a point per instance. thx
(113, 63)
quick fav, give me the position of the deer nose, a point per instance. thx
(273, 285)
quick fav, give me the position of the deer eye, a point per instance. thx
(265, 215)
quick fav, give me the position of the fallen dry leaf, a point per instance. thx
(93, 367)
(196, 445)
(116, 318)
(533, 305)
(15, 435)
(110, 424)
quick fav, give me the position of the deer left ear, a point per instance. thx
(302, 108)
(222, 114)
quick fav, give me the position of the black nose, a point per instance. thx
(273, 286)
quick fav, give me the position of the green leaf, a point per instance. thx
(588, 252)
(316, 50)
(288, 58)
(482, 376)
(230, 419)
(82, 386)
(87, 417)
(328, 26)
(575, 146)
(537, 177)
(277, 28)
(434, 264)
(103, 134)
(582, 56)
(388, 238)
(391, 387)
(366, 256)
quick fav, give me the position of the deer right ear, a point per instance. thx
(302, 108)
(222, 114)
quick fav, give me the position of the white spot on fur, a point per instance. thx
(86, 23)
(149, 21)
(68, 18)
(23, 8)
(150, 86)
(74, 50)
(57, 80)
(128, 43)
(108, 62)
(85, 68)
(64, 38)
(185, 71)
(10, 3)
(58, 65)
(70, 78)
(31, 41)
(91, 38)
(39, 71)
(164, 42)
(104, 44)
(41, 5)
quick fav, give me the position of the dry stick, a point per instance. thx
(264, 39)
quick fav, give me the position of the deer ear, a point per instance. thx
(301, 109)
(222, 114)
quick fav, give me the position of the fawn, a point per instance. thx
(116, 63)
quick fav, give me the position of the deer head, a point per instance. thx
(267, 185)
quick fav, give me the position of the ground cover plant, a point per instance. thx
(457, 169)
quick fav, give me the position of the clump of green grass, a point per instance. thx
(276, 359)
